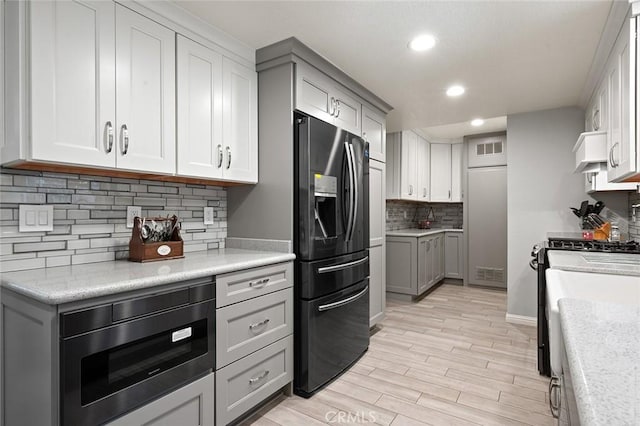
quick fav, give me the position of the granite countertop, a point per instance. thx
(596, 262)
(602, 343)
(65, 284)
(414, 232)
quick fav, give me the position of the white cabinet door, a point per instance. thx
(199, 97)
(453, 252)
(348, 112)
(313, 93)
(374, 131)
(72, 55)
(423, 166)
(376, 203)
(145, 93)
(408, 166)
(456, 172)
(377, 284)
(440, 172)
(240, 117)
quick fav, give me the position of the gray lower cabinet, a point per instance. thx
(249, 381)
(454, 255)
(191, 405)
(414, 265)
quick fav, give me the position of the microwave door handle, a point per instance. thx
(351, 184)
(343, 302)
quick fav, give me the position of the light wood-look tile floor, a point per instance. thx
(449, 359)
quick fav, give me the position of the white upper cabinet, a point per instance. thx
(456, 172)
(200, 147)
(407, 167)
(72, 56)
(423, 166)
(440, 172)
(374, 131)
(145, 93)
(322, 97)
(240, 118)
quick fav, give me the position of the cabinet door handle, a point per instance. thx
(259, 283)
(612, 160)
(109, 131)
(228, 157)
(259, 324)
(332, 107)
(596, 120)
(410, 189)
(424, 192)
(256, 379)
(220, 156)
(337, 108)
(124, 138)
(449, 194)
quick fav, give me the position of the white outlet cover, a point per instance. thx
(208, 216)
(35, 218)
(133, 211)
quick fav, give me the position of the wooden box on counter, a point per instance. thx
(139, 251)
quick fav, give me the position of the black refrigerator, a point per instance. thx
(331, 241)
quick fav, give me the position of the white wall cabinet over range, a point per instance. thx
(217, 115)
(93, 89)
(407, 167)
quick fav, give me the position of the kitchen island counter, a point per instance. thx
(596, 262)
(602, 342)
(54, 286)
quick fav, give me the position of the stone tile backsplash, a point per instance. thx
(90, 214)
(634, 227)
(447, 215)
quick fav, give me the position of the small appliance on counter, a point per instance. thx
(540, 263)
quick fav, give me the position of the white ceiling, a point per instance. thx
(512, 56)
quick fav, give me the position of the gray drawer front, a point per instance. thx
(242, 285)
(245, 383)
(245, 327)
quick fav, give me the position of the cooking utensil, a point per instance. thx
(583, 208)
(589, 209)
(597, 208)
(597, 219)
(575, 211)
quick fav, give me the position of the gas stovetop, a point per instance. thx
(594, 245)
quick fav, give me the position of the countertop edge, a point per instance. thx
(417, 233)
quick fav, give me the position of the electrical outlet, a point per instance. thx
(133, 211)
(208, 215)
(35, 218)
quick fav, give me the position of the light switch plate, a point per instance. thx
(35, 218)
(208, 215)
(133, 211)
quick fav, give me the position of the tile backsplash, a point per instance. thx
(406, 214)
(634, 227)
(90, 214)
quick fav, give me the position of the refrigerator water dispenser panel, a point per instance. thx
(325, 213)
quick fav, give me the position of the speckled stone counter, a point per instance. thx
(602, 342)
(65, 284)
(601, 263)
(414, 232)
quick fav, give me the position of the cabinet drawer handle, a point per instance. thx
(259, 324)
(124, 137)
(220, 156)
(228, 157)
(259, 284)
(109, 130)
(254, 380)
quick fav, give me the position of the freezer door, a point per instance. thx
(333, 333)
(321, 277)
(331, 199)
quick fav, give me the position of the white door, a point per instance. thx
(374, 131)
(423, 166)
(199, 74)
(348, 112)
(72, 82)
(456, 172)
(145, 93)
(408, 172)
(440, 172)
(240, 118)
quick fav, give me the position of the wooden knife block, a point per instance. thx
(602, 233)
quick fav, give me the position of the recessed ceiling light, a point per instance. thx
(422, 42)
(477, 122)
(455, 90)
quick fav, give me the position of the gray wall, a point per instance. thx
(634, 227)
(90, 213)
(447, 215)
(541, 186)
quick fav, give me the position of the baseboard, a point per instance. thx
(521, 320)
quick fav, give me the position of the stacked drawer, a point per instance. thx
(254, 337)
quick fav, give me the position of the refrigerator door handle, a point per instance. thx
(340, 303)
(351, 188)
(341, 266)
(355, 191)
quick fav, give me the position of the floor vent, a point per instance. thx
(490, 274)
